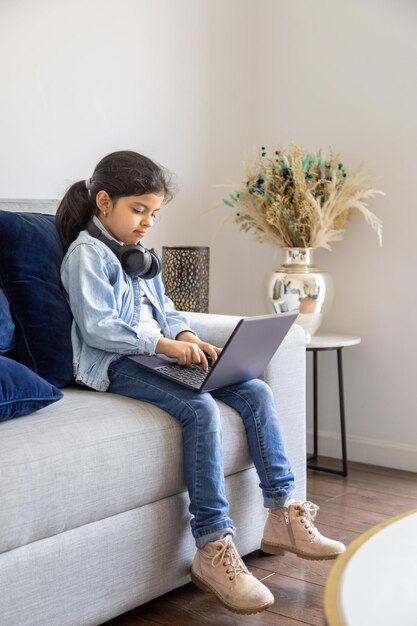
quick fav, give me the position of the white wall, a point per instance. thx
(197, 85)
(84, 78)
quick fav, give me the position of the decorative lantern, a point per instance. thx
(185, 273)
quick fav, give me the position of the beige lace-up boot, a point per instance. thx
(291, 529)
(217, 567)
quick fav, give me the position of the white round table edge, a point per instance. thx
(332, 340)
(332, 613)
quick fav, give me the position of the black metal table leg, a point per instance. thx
(342, 411)
(315, 405)
(313, 457)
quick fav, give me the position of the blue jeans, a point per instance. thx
(199, 417)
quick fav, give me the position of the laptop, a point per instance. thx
(246, 354)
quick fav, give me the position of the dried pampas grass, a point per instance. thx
(297, 199)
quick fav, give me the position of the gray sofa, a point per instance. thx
(93, 510)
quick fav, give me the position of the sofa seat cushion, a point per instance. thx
(91, 456)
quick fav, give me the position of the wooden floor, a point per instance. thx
(348, 507)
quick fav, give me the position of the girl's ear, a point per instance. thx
(103, 201)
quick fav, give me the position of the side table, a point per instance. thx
(319, 343)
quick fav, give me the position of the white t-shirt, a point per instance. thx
(147, 320)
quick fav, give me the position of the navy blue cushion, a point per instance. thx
(30, 260)
(6, 326)
(22, 391)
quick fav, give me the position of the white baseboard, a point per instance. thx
(371, 451)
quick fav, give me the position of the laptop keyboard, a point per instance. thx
(193, 375)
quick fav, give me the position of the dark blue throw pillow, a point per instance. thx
(6, 326)
(22, 391)
(30, 260)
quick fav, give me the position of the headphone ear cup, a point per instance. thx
(155, 266)
(138, 261)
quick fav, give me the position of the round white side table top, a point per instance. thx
(332, 340)
(374, 582)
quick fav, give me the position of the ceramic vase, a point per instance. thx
(298, 285)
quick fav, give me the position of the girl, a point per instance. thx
(117, 299)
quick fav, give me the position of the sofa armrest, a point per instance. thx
(285, 374)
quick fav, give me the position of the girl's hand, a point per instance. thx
(207, 348)
(188, 349)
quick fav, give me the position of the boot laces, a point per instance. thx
(308, 512)
(229, 557)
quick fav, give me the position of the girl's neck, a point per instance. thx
(100, 225)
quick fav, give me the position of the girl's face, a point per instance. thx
(130, 217)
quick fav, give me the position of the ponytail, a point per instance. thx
(73, 213)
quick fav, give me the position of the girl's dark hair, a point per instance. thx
(123, 173)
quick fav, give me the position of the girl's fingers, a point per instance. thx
(212, 354)
(203, 360)
(212, 351)
(182, 359)
(197, 354)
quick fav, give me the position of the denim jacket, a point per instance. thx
(105, 303)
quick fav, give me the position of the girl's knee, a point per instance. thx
(206, 414)
(258, 388)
